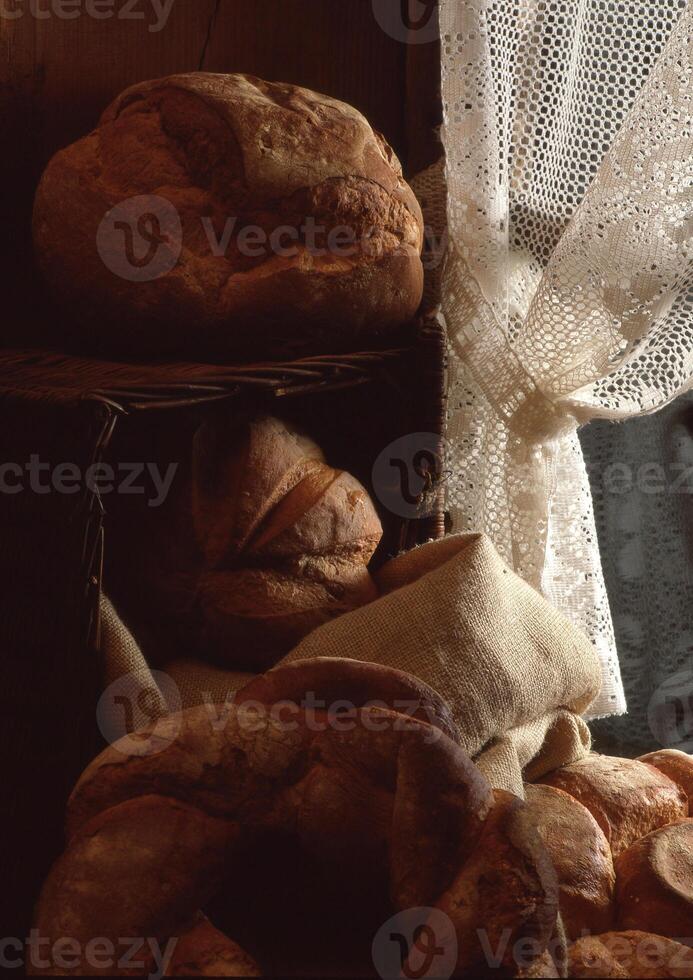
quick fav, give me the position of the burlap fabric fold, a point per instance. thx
(516, 673)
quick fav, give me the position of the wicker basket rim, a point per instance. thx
(58, 376)
(53, 375)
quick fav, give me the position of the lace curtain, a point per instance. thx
(567, 284)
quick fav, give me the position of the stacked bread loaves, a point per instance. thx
(259, 542)
(621, 841)
(221, 215)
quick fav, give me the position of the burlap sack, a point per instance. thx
(123, 664)
(516, 673)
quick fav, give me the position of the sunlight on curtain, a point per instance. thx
(567, 287)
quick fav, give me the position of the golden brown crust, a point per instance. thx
(136, 869)
(250, 617)
(627, 798)
(678, 766)
(240, 762)
(629, 954)
(351, 682)
(654, 882)
(505, 894)
(260, 542)
(375, 796)
(581, 856)
(371, 796)
(212, 757)
(271, 156)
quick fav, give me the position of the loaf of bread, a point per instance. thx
(654, 882)
(385, 802)
(138, 869)
(222, 215)
(259, 542)
(506, 890)
(678, 766)
(630, 954)
(350, 683)
(581, 856)
(628, 799)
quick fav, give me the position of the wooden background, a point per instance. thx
(57, 75)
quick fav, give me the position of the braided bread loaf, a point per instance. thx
(384, 800)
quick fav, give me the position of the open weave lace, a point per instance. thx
(566, 290)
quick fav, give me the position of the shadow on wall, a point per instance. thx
(641, 474)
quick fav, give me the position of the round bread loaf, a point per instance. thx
(629, 954)
(678, 766)
(581, 856)
(259, 542)
(505, 892)
(380, 798)
(222, 215)
(628, 799)
(654, 882)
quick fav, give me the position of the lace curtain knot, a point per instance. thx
(539, 421)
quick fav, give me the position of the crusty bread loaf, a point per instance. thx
(285, 218)
(654, 882)
(678, 766)
(506, 890)
(634, 954)
(350, 683)
(581, 856)
(259, 542)
(137, 869)
(628, 799)
(380, 799)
